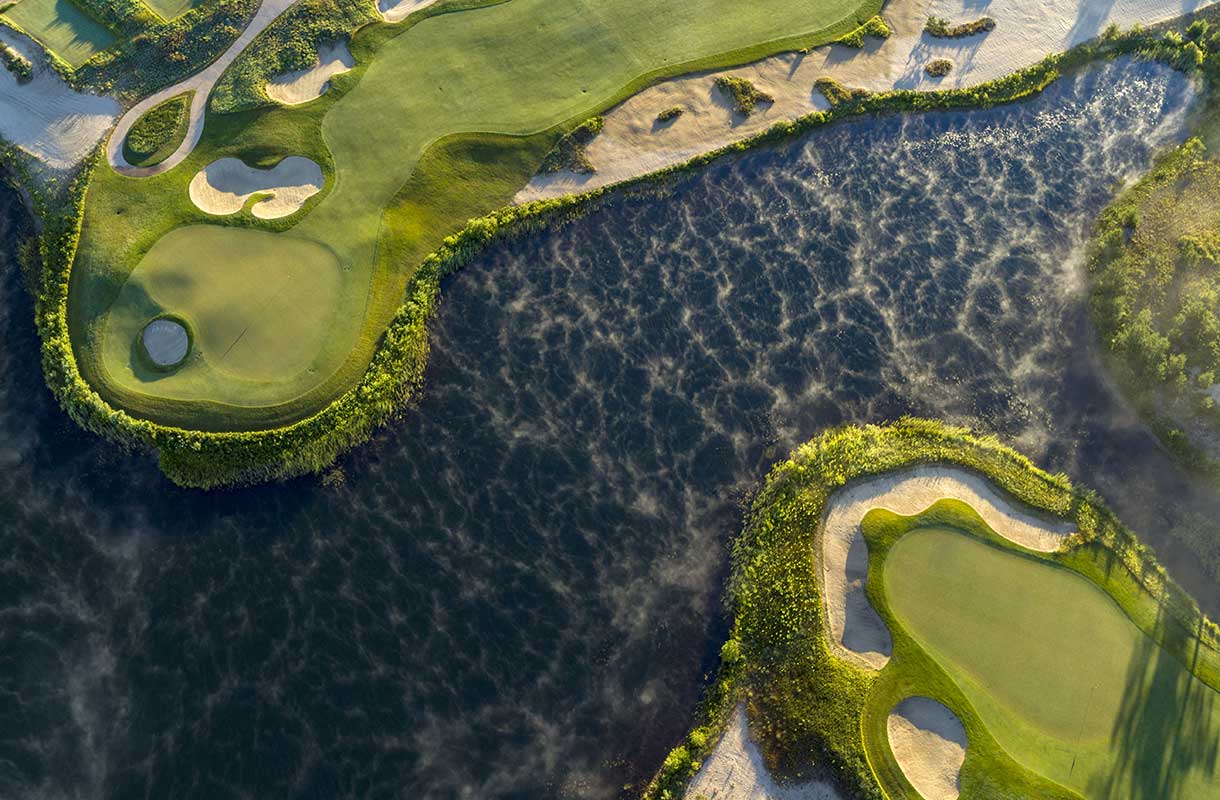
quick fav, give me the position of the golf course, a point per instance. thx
(442, 119)
(934, 617)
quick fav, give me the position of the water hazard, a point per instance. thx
(516, 592)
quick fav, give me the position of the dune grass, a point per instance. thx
(1056, 670)
(510, 77)
(62, 28)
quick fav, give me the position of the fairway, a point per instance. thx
(1062, 678)
(62, 28)
(515, 68)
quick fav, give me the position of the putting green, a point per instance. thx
(62, 28)
(1062, 678)
(516, 68)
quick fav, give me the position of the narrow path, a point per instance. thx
(201, 84)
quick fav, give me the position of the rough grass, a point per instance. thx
(61, 27)
(156, 135)
(447, 75)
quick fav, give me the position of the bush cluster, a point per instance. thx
(836, 93)
(875, 26)
(570, 153)
(161, 127)
(940, 28)
(16, 63)
(939, 67)
(670, 114)
(744, 94)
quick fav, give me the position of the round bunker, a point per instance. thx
(166, 342)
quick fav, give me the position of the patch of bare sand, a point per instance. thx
(929, 744)
(855, 630)
(224, 186)
(735, 771)
(303, 85)
(632, 142)
(44, 116)
(398, 10)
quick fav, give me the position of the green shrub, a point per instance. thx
(744, 94)
(156, 135)
(570, 153)
(838, 94)
(939, 68)
(940, 28)
(16, 63)
(670, 114)
(875, 26)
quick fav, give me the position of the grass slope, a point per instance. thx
(61, 27)
(1060, 676)
(516, 69)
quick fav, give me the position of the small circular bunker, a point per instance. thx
(166, 342)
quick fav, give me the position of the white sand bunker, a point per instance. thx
(735, 771)
(166, 342)
(303, 85)
(44, 116)
(398, 10)
(224, 186)
(856, 631)
(929, 744)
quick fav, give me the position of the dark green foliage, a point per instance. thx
(744, 94)
(569, 153)
(670, 114)
(158, 133)
(125, 18)
(16, 63)
(838, 94)
(875, 26)
(939, 67)
(941, 28)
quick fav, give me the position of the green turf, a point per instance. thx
(1062, 678)
(171, 9)
(62, 28)
(511, 74)
(157, 134)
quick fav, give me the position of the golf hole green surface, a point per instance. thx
(1062, 678)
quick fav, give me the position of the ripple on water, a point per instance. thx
(516, 593)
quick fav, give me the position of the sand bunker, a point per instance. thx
(224, 186)
(46, 118)
(632, 143)
(398, 10)
(929, 744)
(735, 771)
(856, 631)
(166, 342)
(303, 85)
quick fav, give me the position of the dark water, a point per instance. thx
(516, 593)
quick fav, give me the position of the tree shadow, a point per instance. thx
(1164, 731)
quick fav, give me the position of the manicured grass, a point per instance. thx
(1062, 678)
(511, 71)
(171, 9)
(61, 27)
(157, 134)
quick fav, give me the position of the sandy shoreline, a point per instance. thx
(633, 143)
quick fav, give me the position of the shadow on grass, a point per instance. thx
(1168, 726)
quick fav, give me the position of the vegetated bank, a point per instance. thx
(1154, 271)
(157, 134)
(426, 206)
(818, 716)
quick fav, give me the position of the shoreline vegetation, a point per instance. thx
(394, 374)
(817, 716)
